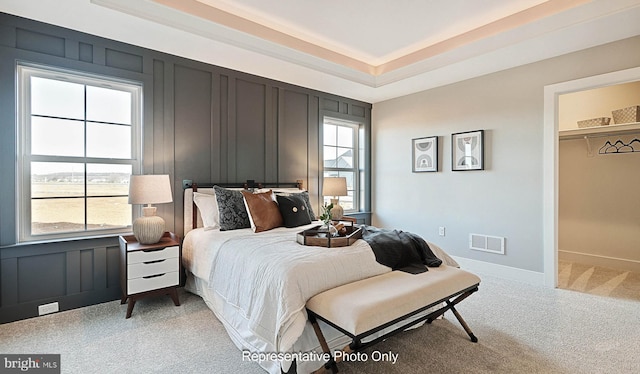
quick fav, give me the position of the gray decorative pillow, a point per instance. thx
(231, 208)
(307, 201)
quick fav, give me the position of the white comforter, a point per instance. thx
(268, 277)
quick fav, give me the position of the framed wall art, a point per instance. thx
(425, 154)
(467, 150)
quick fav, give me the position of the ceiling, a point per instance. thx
(372, 36)
(370, 50)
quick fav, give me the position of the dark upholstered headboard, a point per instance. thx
(192, 218)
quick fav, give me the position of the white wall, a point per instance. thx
(506, 198)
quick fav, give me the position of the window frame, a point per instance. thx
(24, 72)
(357, 168)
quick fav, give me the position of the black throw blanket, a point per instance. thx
(400, 250)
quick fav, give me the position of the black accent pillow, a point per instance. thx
(293, 210)
(305, 197)
(233, 213)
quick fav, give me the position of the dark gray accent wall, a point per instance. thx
(200, 122)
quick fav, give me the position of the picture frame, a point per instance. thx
(467, 150)
(424, 154)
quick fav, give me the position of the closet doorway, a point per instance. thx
(591, 207)
(598, 206)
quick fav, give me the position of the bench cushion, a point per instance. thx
(366, 304)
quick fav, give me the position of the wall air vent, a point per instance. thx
(486, 243)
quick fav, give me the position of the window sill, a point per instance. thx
(64, 240)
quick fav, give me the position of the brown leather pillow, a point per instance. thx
(263, 211)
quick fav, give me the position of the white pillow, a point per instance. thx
(208, 207)
(277, 189)
(281, 190)
(246, 206)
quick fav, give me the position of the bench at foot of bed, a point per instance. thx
(365, 307)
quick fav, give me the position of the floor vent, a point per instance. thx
(486, 243)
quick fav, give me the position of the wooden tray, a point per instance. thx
(310, 237)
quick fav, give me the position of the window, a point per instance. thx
(341, 150)
(78, 139)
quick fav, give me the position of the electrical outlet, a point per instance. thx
(441, 230)
(187, 183)
(48, 308)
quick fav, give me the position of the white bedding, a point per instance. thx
(258, 283)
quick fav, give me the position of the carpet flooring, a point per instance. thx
(599, 280)
(521, 329)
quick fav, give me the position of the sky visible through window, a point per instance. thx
(58, 121)
(338, 155)
(79, 153)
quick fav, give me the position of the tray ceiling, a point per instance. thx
(370, 50)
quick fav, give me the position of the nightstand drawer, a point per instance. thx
(144, 269)
(153, 282)
(142, 256)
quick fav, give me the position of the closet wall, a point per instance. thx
(599, 200)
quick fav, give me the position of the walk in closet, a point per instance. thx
(599, 180)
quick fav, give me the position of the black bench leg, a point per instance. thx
(463, 323)
(450, 305)
(331, 364)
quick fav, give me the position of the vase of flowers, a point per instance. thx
(327, 228)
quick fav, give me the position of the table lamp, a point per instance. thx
(335, 187)
(149, 189)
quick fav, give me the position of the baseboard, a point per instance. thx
(29, 309)
(501, 271)
(599, 260)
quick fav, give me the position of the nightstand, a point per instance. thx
(149, 269)
(348, 219)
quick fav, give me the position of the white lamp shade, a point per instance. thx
(149, 189)
(334, 186)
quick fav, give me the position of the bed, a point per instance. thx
(257, 281)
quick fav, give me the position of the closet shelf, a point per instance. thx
(623, 128)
